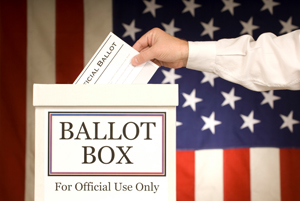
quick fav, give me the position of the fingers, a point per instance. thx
(144, 42)
(143, 45)
(144, 56)
(134, 61)
(140, 44)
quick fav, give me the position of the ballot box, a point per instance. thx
(105, 142)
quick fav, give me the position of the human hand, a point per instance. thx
(161, 48)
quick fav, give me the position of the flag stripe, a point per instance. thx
(97, 25)
(290, 174)
(265, 175)
(236, 174)
(40, 69)
(13, 99)
(185, 177)
(209, 175)
(69, 40)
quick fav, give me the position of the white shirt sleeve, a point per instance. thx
(269, 63)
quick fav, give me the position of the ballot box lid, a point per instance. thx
(105, 95)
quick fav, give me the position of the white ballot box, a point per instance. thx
(105, 142)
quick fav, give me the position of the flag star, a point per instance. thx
(249, 121)
(287, 26)
(191, 100)
(210, 122)
(151, 7)
(288, 121)
(269, 4)
(170, 76)
(190, 6)
(229, 5)
(209, 28)
(209, 77)
(170, 29)
(269, 98)
(248, 27)
(230, 98)
(130, 30)
(178, 123)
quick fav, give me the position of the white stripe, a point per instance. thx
(40, 69)
(209, 175)
(97, 25)
(265, 174)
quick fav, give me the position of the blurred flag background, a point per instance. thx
(232, 143)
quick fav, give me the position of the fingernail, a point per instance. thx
(134, 61)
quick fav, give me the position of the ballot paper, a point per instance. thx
(111, 64)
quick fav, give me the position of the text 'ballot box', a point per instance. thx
(105, 142)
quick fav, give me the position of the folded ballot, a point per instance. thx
(111, 64)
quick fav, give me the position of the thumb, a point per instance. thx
(142, 57)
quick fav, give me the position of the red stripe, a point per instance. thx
(236, 174)
(185, 169)
(69, 40)
(13, 41)
(290, 174)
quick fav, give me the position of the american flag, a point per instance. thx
(232, 143)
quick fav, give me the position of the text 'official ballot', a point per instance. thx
(111, 64)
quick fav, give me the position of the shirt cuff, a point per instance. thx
(201, 55)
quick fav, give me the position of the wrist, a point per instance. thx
(184, 48)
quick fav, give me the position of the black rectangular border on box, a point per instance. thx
(127, 175)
